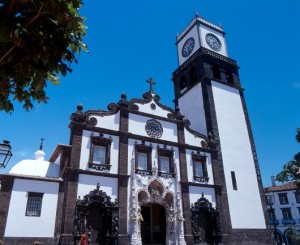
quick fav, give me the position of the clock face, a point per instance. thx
(213, 42)
(188, 47)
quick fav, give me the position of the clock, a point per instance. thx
(188, 47)
(213, 42)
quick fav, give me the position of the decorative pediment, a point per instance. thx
(149, 104)
(203, 139)
(97, 196)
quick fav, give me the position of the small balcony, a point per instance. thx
(273, 222)
(288, 221)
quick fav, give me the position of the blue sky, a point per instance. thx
(130, 41)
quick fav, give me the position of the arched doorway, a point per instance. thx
(205, 222)
(153, 226)
(98, 221)
(292, 237)
(98, 216)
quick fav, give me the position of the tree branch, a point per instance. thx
(28, 23)
(7, 53)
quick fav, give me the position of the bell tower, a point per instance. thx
(209, 94)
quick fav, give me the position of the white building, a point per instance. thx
(284, 213)
(143, 173)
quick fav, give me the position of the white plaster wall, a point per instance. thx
(191, 106)
(292, 204)
(190, 171)
(158, 111)
(192, 33)
(19, 225)
(205, 30)
(87, 183)
(85, 151)
(196, 193)
(137, 126)
(245, 204)
(109, 122)
(191, 139)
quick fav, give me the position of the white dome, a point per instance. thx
(38, 167)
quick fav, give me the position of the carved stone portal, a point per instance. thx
(205, 222)
(97, 216)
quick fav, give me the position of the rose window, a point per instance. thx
(154, 129)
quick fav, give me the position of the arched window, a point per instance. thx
(216, 71)
(193, 75)
(229, 77)
(182, 83)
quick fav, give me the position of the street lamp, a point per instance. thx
(270, 200)
(5, 153)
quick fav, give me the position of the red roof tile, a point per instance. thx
(283, 187)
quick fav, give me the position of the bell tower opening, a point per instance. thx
(153, 226)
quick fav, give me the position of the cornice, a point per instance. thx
(31, 177)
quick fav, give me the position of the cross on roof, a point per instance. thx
(152, 82)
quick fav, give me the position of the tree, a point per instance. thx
(39, 40)
(291, 169)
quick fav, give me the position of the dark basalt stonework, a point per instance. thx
(205, 222)
(109, 209)
(202, 61)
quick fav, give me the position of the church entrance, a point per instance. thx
(153, 226)
(96, 218)
(205, 221)
(97, 222)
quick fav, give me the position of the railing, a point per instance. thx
(273, 222)
(288, 221)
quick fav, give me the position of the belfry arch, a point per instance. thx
(98, 216)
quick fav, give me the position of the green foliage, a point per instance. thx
(39, 40)
(292, 235)
(291, 169)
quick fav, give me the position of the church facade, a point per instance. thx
(143, 173)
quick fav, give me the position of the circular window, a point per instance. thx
(154, 128)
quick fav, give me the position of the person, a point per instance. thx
(83, 239)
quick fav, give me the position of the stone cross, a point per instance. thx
(152, 82)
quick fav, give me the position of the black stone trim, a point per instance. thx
(204, 144)
(110, 175)
(255, 159)
(216, 158)
(147, 98)
(30, 240)
(7, 183)
(198, 184)
(149, 139)
(171, 114)
(146, 149)
(103, 142)
(110, 211)
(203, 51)
(144, 172)
(90, 119)
(202, 212)
(169, 153)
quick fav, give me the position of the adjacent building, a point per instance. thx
(284, 212)
(141, 172)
